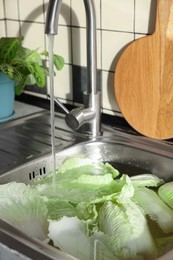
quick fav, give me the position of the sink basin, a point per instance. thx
(128, 153)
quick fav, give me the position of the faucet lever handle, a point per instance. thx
(58, 102)
(77, 116)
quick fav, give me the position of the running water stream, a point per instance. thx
(52, 112)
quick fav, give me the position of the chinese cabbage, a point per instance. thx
(155, 208)
(166, 193)
(22, 206)
(126, 230)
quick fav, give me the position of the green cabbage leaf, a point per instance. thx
(166, 193)
(155, 208)
(126, 230)
(22, 207)
(146, 180)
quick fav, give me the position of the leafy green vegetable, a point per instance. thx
(155, 208)
(73, 163)
(126, 188)
(95, 168)
(93, 214)
(88, 213)
(22, 207)
(146, 180)
(69, 235)
(59, 208)
(166, 193)
(87, 182)
(93, 189)
(125, 226)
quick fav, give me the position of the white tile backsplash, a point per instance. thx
(11, 9)
(13, 28)
(79, 46)
(112, 44)
(63, 83)
(118, 15)
(2, 9)
(62, 43)
(2, 29)
(108, 95)
(78, 13)
(34, 36)
(118, 23)
(145, 16)
(31, 10)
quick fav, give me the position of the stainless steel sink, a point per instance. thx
(129, 153)
(126, 156)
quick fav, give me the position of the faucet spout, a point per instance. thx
(51, 26)
(93, 106)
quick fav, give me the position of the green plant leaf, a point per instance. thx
(9, 48)
(29, 56)
(20, 86)
(58, 61)
(38, 73)
(12, 72)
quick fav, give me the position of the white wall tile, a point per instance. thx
(31, 10)
(63, 83)
(80, 47)
(112, 43)
(33, 35)
(62, 43)
(138, 36)
(64, 17)
(108, 96)
(145, 16)
(118, 15)
(11, 9)
(1, 9)
(2, 29)
(79, 15)
(13, 28)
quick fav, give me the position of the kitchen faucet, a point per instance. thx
(91, 112)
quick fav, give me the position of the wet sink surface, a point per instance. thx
(29, 138)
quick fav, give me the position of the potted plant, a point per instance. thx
(20, 66)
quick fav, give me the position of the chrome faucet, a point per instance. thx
(91, 112)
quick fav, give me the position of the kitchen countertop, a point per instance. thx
(23, 109)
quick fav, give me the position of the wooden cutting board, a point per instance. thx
(143, 79)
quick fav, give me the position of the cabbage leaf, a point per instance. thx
(22, 207)
(126, 230)
(155, 208)
(148, 180)
(166, 193)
